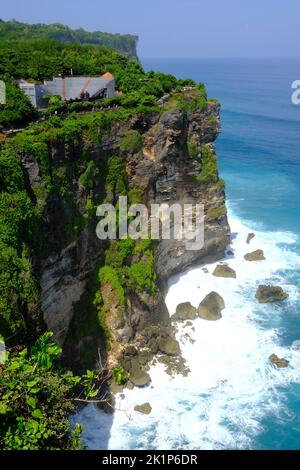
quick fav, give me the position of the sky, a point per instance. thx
(178, 28)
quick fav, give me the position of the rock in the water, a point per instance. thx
(205, 270)
(145, 408)
(265, 294)
(184, 311)
(257, 255)
(144, 357)
(210, 308)
(223, 270)
(114, 388)
(250, 237)
(137, 374)
(280, 363)
(129, 385)
(169, 346)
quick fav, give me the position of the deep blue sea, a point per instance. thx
(234, 398)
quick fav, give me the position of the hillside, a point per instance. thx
(15, 30)
(42, 59)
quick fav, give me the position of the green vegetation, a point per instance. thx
(198, 103)
(216, 212)
(221, 184)
(193, 148)
(213, 121)
(120, 376)
(132, 142)
(18, 111)
(208, 165)
(194, 99)
(40, 59)
(214, 100)
(18, 227)
(86, 178)
(36, 398)
(116, 177)
(12, 30)
(141, 275)
(109, 275)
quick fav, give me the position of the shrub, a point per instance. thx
(132, 142)
(110, 275)
(142, 275)
(216, 212)
(86, 178)
(120, 377)
(208, 165)
(17, 111)
(116, 177)
(213, 121)
(37, 398)
(221, 184)
(193, 148)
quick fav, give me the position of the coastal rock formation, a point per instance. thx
(175, 162)
(250, 237)
(279, 363)
(145, 408)
(265, 294)
(223, 270)
(137, 374)
(184, 311)
(211, 307)
(257, 255)
(114, 388)
(174, 365)
(169, 346)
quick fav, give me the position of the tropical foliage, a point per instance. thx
(37, 397)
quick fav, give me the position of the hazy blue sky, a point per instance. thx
(179, 28)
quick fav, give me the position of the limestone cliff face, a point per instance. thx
(166, 169)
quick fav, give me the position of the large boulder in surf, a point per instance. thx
(223, 270)
(265, 294)
(145, 408)
(250, 237)
(278, 362)
(211, 307)
(184, 311)
(137, 374)
(169, 346)
(257, 255)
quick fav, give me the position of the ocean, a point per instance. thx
(233, 397)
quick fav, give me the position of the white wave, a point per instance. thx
(231, 386)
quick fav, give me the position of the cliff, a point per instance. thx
(173, 160)
(100, 298)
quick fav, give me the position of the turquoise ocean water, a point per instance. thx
(233, 398)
